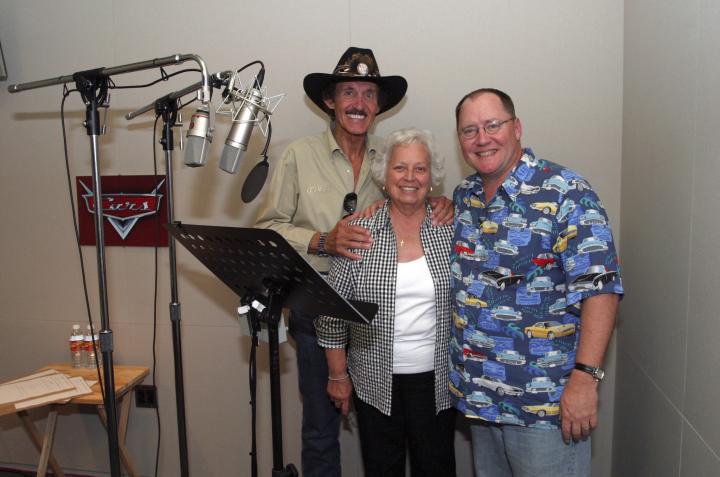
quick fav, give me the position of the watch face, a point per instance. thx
(599, 374)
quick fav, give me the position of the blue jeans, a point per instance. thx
(516, 451)
(321, 420)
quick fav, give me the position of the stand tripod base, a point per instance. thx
(289, 471)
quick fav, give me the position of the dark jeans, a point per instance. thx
(321, 420)
(412, 424)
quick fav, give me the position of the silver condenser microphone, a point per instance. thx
(237, 141)
(199, 137)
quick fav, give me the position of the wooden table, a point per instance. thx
(126, 378)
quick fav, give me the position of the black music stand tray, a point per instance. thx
(259, 264)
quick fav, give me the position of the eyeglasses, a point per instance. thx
(469, 132)
(350, 203)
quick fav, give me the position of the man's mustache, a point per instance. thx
(356, 111)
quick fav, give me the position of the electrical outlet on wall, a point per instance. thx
(145, 396)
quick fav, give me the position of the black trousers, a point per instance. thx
(413, 425)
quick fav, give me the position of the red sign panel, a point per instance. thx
(133, 209)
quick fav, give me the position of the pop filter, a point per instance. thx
(255, 181)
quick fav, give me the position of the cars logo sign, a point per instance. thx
(132, 207)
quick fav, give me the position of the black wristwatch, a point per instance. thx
(597, 373)
(321, 245)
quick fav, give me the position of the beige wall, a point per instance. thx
(666, 418)
(561, 60)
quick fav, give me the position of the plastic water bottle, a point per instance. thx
(76, 347)
(89, 348)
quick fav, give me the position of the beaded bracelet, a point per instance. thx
(330, 378)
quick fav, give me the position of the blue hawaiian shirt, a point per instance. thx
(521, 265)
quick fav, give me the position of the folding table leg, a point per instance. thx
(43, 443)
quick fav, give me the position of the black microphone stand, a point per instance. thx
(167, 107)
(93, 86)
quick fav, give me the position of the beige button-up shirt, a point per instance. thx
(307, 189)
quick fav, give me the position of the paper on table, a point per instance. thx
(33, 376)
(31, 388)
(81, 388)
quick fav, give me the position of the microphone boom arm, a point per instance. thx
(203, 93)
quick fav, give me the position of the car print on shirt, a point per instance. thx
(478, 255)
(470, 354)
(549, 208)
(541, 226)
(528, 189)
(456, 270)
(545, 260)
(506, 313)
(562, 240)
(469, 299)
(594, 278)
(463, 248)
(496, 205)
(479, 399)
(499, 277)
(540, 384)
(504, 247)
(474, 201)
(489, 227)
(549, 330)
(478, 338)
(552, 358)
(556, 183)
(459, 321)
(500, 387)
(592, 217)
(466, 218)
(507, 418)
(455, 390)
(544, 425)
(592, 244)
(579, 184)
(565, 210)
(515, 221)
(510, 356)
(542, 410)
(558, 308)
(540, 284)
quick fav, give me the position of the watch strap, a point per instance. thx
(596, 373)
(321, 245)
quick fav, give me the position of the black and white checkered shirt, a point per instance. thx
(373, 279)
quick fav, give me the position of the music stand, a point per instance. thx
(258, 264)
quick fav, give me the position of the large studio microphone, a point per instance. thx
(237, 141)
(199, 137)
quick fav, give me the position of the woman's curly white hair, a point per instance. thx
(403, 137)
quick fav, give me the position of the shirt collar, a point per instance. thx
(334, 148)
(511, 184)
(382, 216)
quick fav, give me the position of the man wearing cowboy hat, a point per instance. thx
(315, 190)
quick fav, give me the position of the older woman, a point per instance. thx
(397, 365)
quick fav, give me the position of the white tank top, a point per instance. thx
(414, 343)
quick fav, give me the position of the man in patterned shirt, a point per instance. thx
(536, 287)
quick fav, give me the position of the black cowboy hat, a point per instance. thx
(356, 64)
